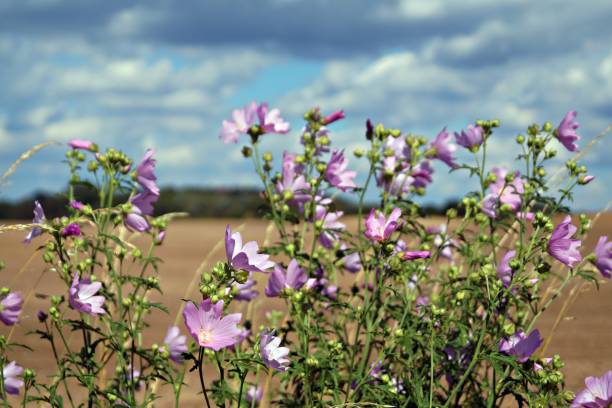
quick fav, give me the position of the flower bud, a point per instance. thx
(359, 152)
(247, 151)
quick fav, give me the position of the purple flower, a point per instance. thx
(207, 326)
(584, 180)
(244, 291)
(82, 296)
(350, 262)
(504, 272)
(379, 228)
(488, 205)
(566, 132)
(561, 245)
(471, 137)
(508, 193)
(145, 173)
(333, 117)
(520, 345)
(421, 173)
(77, 205)
(82, 144)
(71, 230)
(272, 354)
(444, 244)
(293, 278)
(253, 395)
(245, 257)
(337, 174)
(412, 255)
(10, 308)
(293, 184)
(10, 374)
(175, 344)
(245, 118)
(39, 218)
(330, 225)
(597, 394)
(603, 256)
(142, 204)
(442, 148)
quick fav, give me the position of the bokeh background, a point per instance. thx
(164, 74)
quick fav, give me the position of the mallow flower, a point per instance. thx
(82, 296)
(10, 376)
(175, 344)
(273, 355)
(412, 255)
(603, 257)
(329, 224)
(442, 148)
(268, 121)
(10, 308)
(351, 262)
(562, 246)
(378, 227)
(145, 173)
(337, 173)
(209, 328)
(39, 218)
(254, 395)
(244, 291)
(508, 193)
(71, 230)
(293, 185)
(520, 345)
(142, 204)
(280, 279)
(597, 394)
(422, 174)
(245, 257)
(333, 117)
(566, 132)
(82, 144)
(504, 272)
(471, 137)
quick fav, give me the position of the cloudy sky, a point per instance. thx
(164, 74)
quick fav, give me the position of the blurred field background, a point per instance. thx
(582, 336)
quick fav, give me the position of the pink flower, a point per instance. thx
(470, 137)
(504, 272)
(269, 121)
(520, 345)
(82, 296)
(333, 117)
(82, 144)
(561, 245)
(207, 326)
(71, 230)
(245, 291)
(294, 277)
(337, 173)
(566, 132)
(10, 376)
(245, 257)
(330, 224)
(293, 183)
(603, 256)
(442, 148)
(145, 173)
(10, 308)
(379, 228)
(175, 344)
(272, 354)
(253, 395)
(77, 205)
(39, 218)
(412, 255)
(597, 394)
(508, 193)
(142, 204)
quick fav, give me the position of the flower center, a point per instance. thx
(204, 337)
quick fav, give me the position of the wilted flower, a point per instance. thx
(442, 148)
(597, 394)
(272, 354)
(504, 272)
(294, 277)
(412, 255)
(470, 137)
(244, 290)
(337, 173)
(207, 326)
(39, 218)
(603, 256)
(82, 299)
(566, 132)
(379, 228)
(520, 345)
(10, 376)
(269, 121)
(175, 344)
(145, 173)
(10, 308)
(253, 395)
(77, 205)
(333, 117)
(71, 230)
(561, 245)
(245, 257)
(82, 144)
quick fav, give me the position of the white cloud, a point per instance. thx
(77, 127)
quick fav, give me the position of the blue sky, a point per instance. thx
(151, 74)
